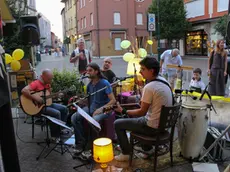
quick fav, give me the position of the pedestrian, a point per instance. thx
(170, 57)
(217, 69)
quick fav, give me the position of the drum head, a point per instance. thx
(194, 104)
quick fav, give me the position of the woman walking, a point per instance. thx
(217, 69)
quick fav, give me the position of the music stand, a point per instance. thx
(61, 143)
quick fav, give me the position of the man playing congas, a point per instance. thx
(155, 94)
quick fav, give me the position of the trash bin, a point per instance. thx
(38, 56)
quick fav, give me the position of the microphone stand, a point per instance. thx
(210, 98)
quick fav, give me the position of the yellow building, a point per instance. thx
(70, 22)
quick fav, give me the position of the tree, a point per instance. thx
(18, 8)
(221, 26)
(173, 22)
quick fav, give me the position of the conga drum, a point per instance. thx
(192, 127)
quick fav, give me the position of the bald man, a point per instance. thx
(57, 111)
(106, 70)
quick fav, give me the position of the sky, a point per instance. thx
(51, 9)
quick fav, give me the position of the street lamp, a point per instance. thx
(158, 29)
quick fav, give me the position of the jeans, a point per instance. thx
(57, 111)
(137, 125)
(78, 125)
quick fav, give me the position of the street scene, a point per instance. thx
(122, 86)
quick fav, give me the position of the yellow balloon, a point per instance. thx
(150, 42)
(8, 58)
(125, 44)
(15, 65)
(142, 52)
(128, 56)
(18, 54)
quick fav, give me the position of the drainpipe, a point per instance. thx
(98, 31)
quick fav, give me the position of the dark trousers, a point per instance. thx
(57, 111)
(137, 125)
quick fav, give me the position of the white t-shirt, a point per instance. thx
(168, 59)
(156, 94)
(197, 84)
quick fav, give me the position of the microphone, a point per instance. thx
(124, 78)
(83, 77)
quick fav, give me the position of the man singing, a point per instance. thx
(80, 56)
(155, 94)
(97, 102)
(55, 110)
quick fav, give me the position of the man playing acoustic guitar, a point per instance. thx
(99, 100)
(57, 111)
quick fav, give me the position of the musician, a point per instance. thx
(155, 95)
(106, 70)
(80, 56)
(97, 102)
(170, 57)
(57, 111)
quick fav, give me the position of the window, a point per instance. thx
(91, 19)
(84, 22)
(117, 18)
(117, 43)
(83, 3)
(70, 3)
(139, 19)
(80, 3)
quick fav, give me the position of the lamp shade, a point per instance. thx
(131, 64)
(103, 151)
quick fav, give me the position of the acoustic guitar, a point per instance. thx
(29, 106)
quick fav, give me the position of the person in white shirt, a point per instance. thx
(156, 93)
(170, 57)
(196, 82)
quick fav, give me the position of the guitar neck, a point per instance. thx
(52, 95)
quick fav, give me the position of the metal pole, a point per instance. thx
(151, 47)
(158, 29)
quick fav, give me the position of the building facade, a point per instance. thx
(70, 23)
(105, 23)
(45, 32)
(203, 19)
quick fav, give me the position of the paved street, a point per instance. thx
(119, 65)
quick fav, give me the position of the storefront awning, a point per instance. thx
(5, 12)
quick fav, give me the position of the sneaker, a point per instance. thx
(122, 157)
(140, 149)
(77, 149)
(87, 154)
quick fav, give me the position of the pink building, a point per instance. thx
(105, 23)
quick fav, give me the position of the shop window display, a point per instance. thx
(196, 43)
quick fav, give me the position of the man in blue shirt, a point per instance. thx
(97, 102)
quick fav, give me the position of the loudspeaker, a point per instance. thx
(30, 33)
